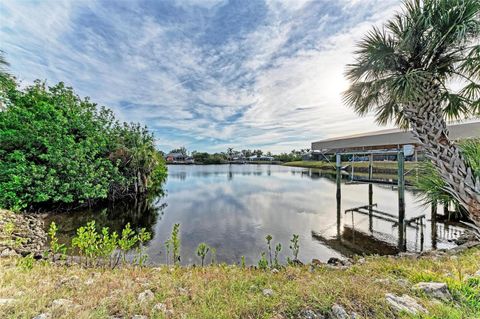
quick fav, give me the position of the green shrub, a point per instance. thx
(55, 246)
(59, 149)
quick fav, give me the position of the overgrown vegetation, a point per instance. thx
(222, 291)
(58, 150)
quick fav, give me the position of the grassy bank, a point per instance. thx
(232, 292)
(381, 166)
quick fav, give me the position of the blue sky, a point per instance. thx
(205, 74)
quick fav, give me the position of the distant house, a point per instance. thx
(260, 158)
(175, 157)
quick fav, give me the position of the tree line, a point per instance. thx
(231, 155)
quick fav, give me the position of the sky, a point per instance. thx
(204, 74)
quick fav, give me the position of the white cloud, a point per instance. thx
(277, 84)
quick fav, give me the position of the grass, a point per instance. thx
(381, 170)
(362, 166)
(223, 291)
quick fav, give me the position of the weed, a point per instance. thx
(263, 262)
(295, 247)
(127, 241)
(175, 242)
(86, 241)
(107, 244)
(8, 229)
(213, 253)
(278, 248)
(202, 251)
(26, 263)
(55, 247)
(143, 237)
(269, 239)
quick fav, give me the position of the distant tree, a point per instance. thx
(258, 152)
(182, 150)
(230, 153)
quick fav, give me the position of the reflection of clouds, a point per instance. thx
(234, 217)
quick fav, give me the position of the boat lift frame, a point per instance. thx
(400, 153)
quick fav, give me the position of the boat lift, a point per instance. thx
(400, 220)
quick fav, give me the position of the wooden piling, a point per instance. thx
(401, 201)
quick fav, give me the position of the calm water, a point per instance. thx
(233, 208)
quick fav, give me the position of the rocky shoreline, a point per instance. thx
(21, 235)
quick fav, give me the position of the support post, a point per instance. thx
(370, 193)
(401, 201)
(433, 222)
(338, 166)
(370, 167)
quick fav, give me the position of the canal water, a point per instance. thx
(233, 207)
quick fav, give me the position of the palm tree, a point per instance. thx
(403, 72)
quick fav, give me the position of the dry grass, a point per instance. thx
(231, 292)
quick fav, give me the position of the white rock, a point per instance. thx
(309, 314)
(161, 307)
(139, 317)
(57, 303)
(89, 282)
(405, 303)
(437, 290)
(8, 253)
(6, 301)
(267, 292)
(42, 316)
(338, 312)
(145, 296)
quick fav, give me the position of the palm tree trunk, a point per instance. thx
(429, 128)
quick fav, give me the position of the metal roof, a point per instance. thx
(390, 138)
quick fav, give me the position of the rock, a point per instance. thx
(338, 312)
(405, 303)
(403, 282)
(437, 290)
(71, 282)
(382, 281)
(89, 282)
(267, 292)
(316, 262)
(139, 317)
(42, 316)
(335, 261)
(309, 314)
(467, 236)
(160, 307)
(146, 296)
(477, 274)
(275, 271)
(8, 253)
(6, 301)
(64, 304)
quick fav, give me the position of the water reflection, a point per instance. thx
(141, 212)
(233, 207)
